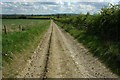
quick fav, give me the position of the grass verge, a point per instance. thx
(17, 47)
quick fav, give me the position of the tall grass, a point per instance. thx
(16, 42)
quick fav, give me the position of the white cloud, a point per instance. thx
(30, 1)
(44, 7)
(60, 0)
(50, 7)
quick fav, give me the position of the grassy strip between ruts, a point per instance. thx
(20, 43)
(106, 51)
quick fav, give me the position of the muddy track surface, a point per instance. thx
(60, 56)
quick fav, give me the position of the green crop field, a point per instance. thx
(13, 24)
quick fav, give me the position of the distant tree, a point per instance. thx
(22, 17)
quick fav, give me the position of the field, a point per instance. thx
(17, 42)
(19, 24)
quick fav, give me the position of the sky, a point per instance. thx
(53, 6)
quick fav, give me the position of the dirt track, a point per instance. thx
(60, 56)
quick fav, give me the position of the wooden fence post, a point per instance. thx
(5, 29)
(20, 27)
